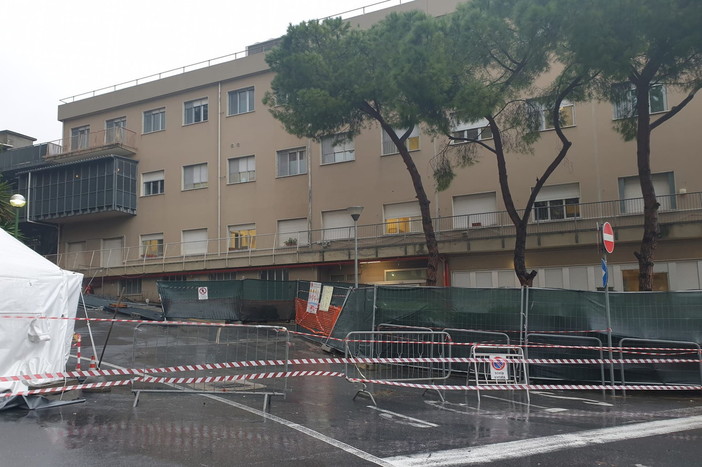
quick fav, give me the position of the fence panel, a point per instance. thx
(654, 373)
(397, 344)
(213, 354)
(564, 346)
(504, 365)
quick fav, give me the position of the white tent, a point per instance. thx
(33, 292)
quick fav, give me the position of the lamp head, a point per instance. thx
(17, 201)
(355, 212)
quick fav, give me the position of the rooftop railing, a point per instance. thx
(286, 248)
(218, 60)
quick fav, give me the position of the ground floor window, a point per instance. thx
(130, 286)
(275, 275)
(630, 278)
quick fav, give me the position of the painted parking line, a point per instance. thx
(404, 419)
(573, 398)
(292, 425)
(529, 447)
(307, 431)
(527, 404)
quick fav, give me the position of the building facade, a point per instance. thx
(190, 177)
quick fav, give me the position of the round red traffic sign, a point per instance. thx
(608, 237)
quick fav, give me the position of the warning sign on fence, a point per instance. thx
(202, 293)
(499, 370)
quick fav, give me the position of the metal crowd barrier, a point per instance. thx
(585, 372)
(505, 365)
(395, 344)
(204, 358)
(465, 339)
(656, 373)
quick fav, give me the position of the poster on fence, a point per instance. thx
(313, 297)
(202, 293)
(327, 292)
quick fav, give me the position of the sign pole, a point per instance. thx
(607, 235)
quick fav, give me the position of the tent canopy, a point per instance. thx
(35, 295)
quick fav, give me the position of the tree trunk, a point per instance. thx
(643, 160)
(427, 222)
(422, 198)
(520, 269)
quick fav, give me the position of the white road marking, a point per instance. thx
(545, 409)
(573, 398)
(529, 447)
(292, 425)
(415, 422)
(446, 406)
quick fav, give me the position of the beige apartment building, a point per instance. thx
(187, 176)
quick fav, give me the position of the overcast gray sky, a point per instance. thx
(53, 49)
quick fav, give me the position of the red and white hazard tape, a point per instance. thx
(219, 379)
(531, 387)
(638, 350)
(69, 388)
(331, 360)
(289, 374)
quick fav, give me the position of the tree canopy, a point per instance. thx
(639, 48)
(502, 53)
(333, 79)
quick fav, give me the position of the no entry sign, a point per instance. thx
(608, 237)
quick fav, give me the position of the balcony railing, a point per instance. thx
(277, 248)
(120, 141)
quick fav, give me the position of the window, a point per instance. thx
(625, 101)
(152, 183)
(175, 278)
(415, 276)
(194, 176)
(241, 101)
(337, 148)
(402, 218)
(130, 286)
(292, 162)
(152, 245)
(221, 276)
(114, 130)
(472, 211)
(194, 242)
(630, 279)
(242, 237)
(541, 114)
(412, 142)
(155, 120)
(476, 131)
(275, 275)
(557, 202)
(293, 232)
(112, 252)
(632, 198)
(195, 111)
(80, 137)
(242, 169)
(77, 252)
(338, 225)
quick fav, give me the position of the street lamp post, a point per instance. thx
(355, 213)
(17, 202)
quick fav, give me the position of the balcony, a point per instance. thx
(116, 140)
(456, 235)
(101, 187)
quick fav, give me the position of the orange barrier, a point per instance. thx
(320, 323)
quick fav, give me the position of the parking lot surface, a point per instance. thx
(319, 423)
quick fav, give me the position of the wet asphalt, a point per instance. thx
(319, 423)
